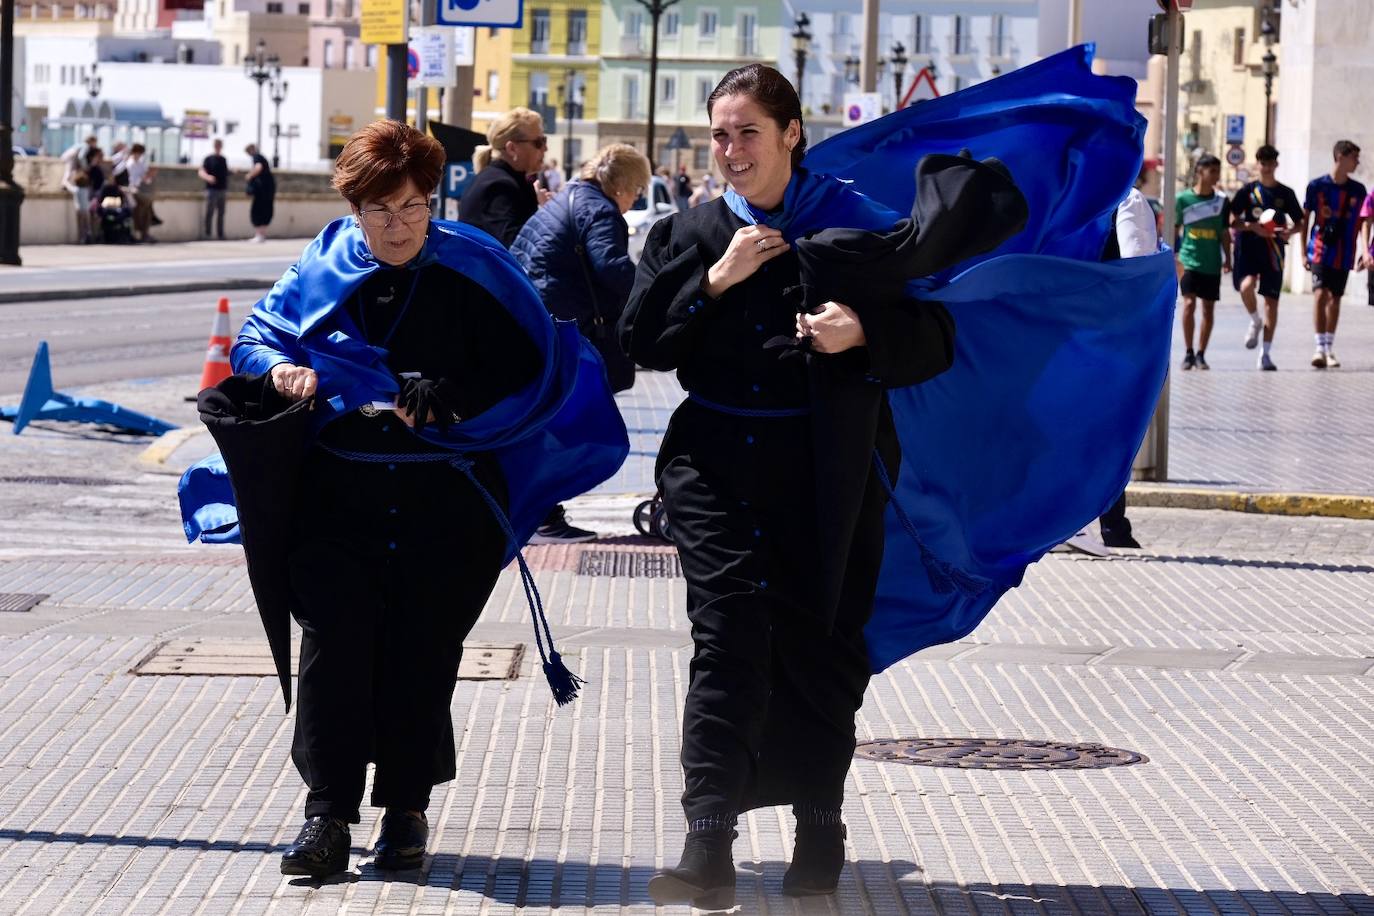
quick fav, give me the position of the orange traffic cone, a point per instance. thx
(217, 354)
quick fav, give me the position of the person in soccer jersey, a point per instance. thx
(1366, 260)
(1263, 214)
(1200, 241)
(1332, 214)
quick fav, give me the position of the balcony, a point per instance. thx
(1001, 51)
(631, 45)
(960, 47)
(577, 48)
(539, 46)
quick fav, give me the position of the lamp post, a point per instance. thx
(93, 82)
(656, 10)
(11, 195)
(1269, 67)
(569, 92)
(261, 67)
(851, 70)
(276, 90)
(898, 72)
(801, 44)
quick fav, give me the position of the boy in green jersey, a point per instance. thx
(1204, 253)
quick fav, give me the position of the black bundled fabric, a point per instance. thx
(263, 438)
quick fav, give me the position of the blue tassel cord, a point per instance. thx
(562, 681)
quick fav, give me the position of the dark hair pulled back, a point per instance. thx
(773, 93)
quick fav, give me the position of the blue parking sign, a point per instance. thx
(1235, 128)
(457, 177)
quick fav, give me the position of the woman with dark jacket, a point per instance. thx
(503, 197)
(769, 476)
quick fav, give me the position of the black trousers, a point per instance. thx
(384, 604)
(773, 692)
(1113, 525)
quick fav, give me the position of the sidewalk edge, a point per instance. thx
(155, 456)
(1330, 505)
(145, 289)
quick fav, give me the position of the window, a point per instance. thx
(633, 24)
(328, 56)
(958, 83)
(920, 34)
(303, 9)
(274, 7)
(843, 24)
(704, 87)
(539, 31)
(577, 32)
(672, 24)
(371, 57)
(959, 41)
(631, 98)
(701, 158)
(329, 9)
(1238, 48)
(493, 83)
(1001, 46)
(747, 27)
(707, 24)
(539, 90)
(667, 89)
(349, 55)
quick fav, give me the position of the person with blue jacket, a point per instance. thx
(575, 250)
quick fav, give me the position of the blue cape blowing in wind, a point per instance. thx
(1060, 358)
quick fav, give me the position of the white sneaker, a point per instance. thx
(1319, 360)
(1265, 363)
(1331, 361)
(1252, 336)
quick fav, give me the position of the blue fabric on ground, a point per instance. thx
(557, 438)
(1059, 358)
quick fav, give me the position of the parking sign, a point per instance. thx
(495, 14)
(1235, 128)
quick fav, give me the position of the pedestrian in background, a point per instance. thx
(214, 171)
(1259, 247)
(140, 174)
(1204, 254)
(1331, 213)
(551, 177)
(262, 187)
(503, 196)
(576, 251)
(76, 180)
(682, 188)
(1366, 259)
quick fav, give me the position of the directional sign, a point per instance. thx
(457, 178)
(1235, 128)
(495, 14)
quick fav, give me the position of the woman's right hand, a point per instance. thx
(295, 383)
(750, 249)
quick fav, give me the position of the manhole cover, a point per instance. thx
(18, 601)
(251, 658)
(996, 754)
(51, 480)
(634, 564)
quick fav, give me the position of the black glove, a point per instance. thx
(421, 396)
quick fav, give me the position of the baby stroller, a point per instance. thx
(651, 519)
(114, 218)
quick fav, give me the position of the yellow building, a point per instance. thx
(532, 67)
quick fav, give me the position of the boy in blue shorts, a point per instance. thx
(1332, 213)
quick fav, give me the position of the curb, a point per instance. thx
(155, 456)
(147, 289)
(1330, 505)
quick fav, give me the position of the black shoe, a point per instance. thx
(1189, 361)
(402, 843)
(556, 530)
(816, 862)
(320, 850)
(1126, 542)
(704, 877)
(1202, 361)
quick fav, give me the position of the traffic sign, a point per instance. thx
(457, 178)
(1235, 155)
(383, 22)
(432, 54)
(678, 140)
(195, 125)
(922, 89)
(861, 107)
(494, 14)
(1235, 128)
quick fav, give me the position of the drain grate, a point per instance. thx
(996, 754)
(634, 564)
(252, 658)
(19, 601)
(52, 480)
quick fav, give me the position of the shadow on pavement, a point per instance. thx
(1253, 564)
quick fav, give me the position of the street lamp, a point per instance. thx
(1269, 67)
(93, 83)
(801, 44)
(851, 69)
(898, 71)
(261, 67)
(569, 93)
(11, 194)
(656, 10)
(276, 90)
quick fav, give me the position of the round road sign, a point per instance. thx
(1235, 155)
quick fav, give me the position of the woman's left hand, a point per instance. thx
(834, 328)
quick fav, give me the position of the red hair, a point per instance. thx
(378, 160)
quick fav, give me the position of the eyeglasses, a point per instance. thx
(539, 142)
(381, 217)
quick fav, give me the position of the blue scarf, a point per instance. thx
(557, 438)
(1059, 358)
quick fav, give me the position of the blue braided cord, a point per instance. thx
(944, 576)
(464, 464)
(748, 411)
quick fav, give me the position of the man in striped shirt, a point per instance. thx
(1332, 213)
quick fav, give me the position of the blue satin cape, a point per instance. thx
(1059, 358)
(555, 439)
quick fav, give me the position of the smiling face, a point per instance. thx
(401, 241)
(751, 150)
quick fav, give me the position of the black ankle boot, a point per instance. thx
(402, 843)
(705, 876)
(320, 850)
(816, 862)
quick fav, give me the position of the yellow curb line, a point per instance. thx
(156, 455)
(1331, 505)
